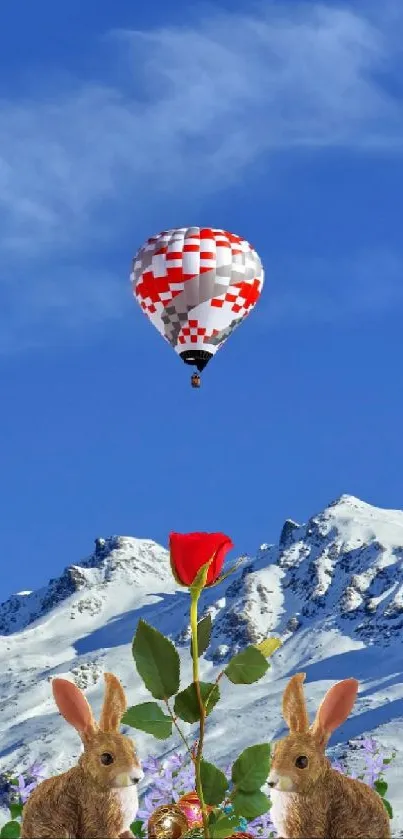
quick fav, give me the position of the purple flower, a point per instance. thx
(36, 770)
(151, 765)
(262, 827)
(369, 745)
(175, 775)
(338, 766)
(24, 790)
(176, 760)
(374, 768)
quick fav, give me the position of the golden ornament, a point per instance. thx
(241, 836)
(167, 822)
(190, 806)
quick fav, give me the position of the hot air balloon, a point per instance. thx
(196, 285)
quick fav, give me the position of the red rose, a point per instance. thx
(190, 551)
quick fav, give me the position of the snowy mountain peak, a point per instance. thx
(287, 533)
(332, 590)
(347, 562)
(342, 570)
(350, 506)
(117, 559)
(349, 500)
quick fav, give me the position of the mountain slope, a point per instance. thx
(332, 589)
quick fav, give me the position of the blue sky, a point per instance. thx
(282, 122)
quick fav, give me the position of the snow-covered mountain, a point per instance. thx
(332, 589)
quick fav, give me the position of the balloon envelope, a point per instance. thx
(196, 285)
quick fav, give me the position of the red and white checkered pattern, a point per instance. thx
(241, 296)
(196, 284)
(192, 333)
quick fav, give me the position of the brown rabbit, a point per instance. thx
(98, 797)
(310, 800)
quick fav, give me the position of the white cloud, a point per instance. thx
(199, 104)
(199, 100)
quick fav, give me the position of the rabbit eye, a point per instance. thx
(301, 762)
(106, 758)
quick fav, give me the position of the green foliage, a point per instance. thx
(250, 805)
(251, 768)
(214, 783)
(200, 579)
(268, 646)
(157, 661)
(138, 829)
(381, 787)
(204, 628)
(223, 825)
(227, 573)
(16, 810)
(187, 704)
(10, 830)
(149, 717)
(246, 667)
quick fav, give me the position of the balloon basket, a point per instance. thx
(195, 380)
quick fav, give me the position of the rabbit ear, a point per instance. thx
(74, 707)
(334, 709)
(115, 704)
(294, 707)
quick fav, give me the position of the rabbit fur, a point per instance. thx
(310, 800)
(97, 798)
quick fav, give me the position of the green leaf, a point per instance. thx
(149, 717)
(200, 579)
(10, 830)
(203, 635)
(251, 768)
(224, 827)
(137, 828)
(186, 704)
(227, 573)
(157, 661)
(387, 760)
(214, 783)
(268, 646)
(16, 810)
(214, 815)
(388, 808)
(246, 667)
(250, 805)
(381, 787)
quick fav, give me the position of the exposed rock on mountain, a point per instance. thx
(332, 589)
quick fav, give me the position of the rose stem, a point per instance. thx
(181, 735)
(196, 678)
